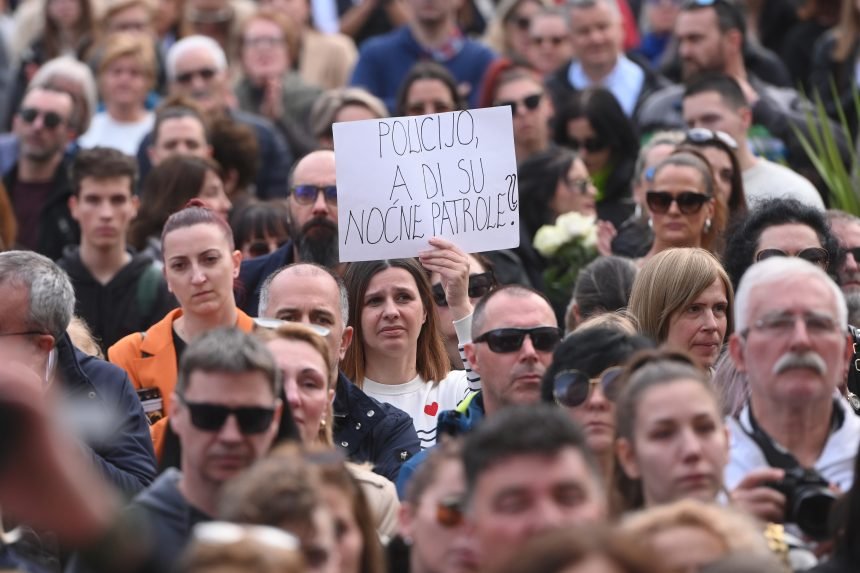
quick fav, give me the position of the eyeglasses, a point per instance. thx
(573, 388)
(479, 285)
(449, 512)
(205, 73)
(815, 255)
(553, 40)
(581, 185)
(212, 417)
(689, 202)
(853, 251)
(22, 333)
(264, 42)
(307, 194)
(703, 135)
(531, 102)
(428, 107)
(276, 323)
(591, 145)
(50, 119)
(780, 324)
(507, 340)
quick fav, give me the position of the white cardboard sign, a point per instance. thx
(403, 180)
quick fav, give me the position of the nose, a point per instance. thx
(673, 208)
(851, 264)
(105, 210)
(597, 400)
(800, 336)
(230, 431)
(291, 389)
(527, 351)
(197, 276)
(389, 309)
(691, 446)
(320, 205)
(709, 320)
(547, 516)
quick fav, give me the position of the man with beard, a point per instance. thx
(846, 228)
(792, 344)
(313, 228)
(432, 33)
(38, 184)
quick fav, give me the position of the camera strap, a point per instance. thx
(775, 455)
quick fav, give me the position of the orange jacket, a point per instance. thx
(150, 360)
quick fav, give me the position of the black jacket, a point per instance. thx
(134, 299)
(107, 417)
(559, 86)
(57, 229)
(372, 431)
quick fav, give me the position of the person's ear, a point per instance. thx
(472, 356)
(135, 205)
(736, 351)
(346, 340)
(237, 262)
(73, 207)
(627, 458)
(406, 519)
(745, 114)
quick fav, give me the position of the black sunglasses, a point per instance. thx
(573, 388)
(507, 340)
(212, 417)
(50, 119)
(689, 203)
(479, 285)
(854, 251)
(531, 102)
(815, 255)
(205, 73)
(307, 194)
(591, 145)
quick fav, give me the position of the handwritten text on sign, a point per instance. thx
(403, 180)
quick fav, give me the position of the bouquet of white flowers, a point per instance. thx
(568, 245)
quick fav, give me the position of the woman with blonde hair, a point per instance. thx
(683, 298)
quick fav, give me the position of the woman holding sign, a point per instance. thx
(397, 354)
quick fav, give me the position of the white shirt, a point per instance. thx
(422, 400)
(625, 81)
(769, 180)
(105, 131)
(836, 463)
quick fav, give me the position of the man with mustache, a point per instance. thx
(791, 342)
(313, 227)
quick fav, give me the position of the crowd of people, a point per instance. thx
(193, 381)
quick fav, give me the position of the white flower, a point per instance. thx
(590, 239)
(549, 238)
(576, 224)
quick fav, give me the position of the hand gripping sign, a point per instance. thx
(403, 180)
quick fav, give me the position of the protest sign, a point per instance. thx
(403, 180)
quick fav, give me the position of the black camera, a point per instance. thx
(808, 500)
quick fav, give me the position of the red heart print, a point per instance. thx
(431, 409)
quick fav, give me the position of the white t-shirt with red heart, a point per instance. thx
(422, 400)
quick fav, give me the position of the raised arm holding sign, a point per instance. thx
(404, 180)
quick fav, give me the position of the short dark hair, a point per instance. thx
(604, 285)
(235, 148)
(176, 108)
(515, 290)
(522, 431)
(729, 15)
(228, 350)
(427, 70)
(591, 350)
(726, 86)
(103, 163)
(539, 175)
(743, 238)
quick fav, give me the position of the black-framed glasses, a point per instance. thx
(449, 512)
(205, 73)
(307, 194)
(531, 102)
(816, 255)
(50, 119)
(507, 340)
(479, 285)
(212, 417)
(581, 185)
(23, 333)
(703, 135)
(590, 144)
(689, 202)
(853, 251)
(572, 388)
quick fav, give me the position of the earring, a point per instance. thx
(650, 223)
(707, 225)
(322, 424)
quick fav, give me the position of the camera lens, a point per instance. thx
(811, 510)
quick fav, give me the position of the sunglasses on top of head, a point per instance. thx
(689, 202)
(507, 340)
(479, 285)
(573, 388)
